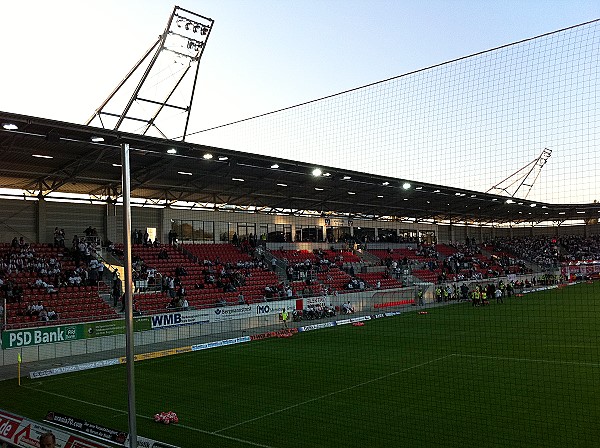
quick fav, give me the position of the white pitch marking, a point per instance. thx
(544, 361)
(364, 383)
(248, 442)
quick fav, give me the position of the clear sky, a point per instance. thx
(60, 59)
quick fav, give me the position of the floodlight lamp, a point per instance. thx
(510, 201)
(317, 172)
(171, 151)
(96, 139)
(533, 205)
(207, 156)
(10, 126)
(385, 184)
(406, 185)
(275, 166)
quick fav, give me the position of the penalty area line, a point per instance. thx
(542, 361)
(345, 389)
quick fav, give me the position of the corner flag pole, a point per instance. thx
(19, 360)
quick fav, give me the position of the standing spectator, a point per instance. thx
(284, 317)
(116, 291)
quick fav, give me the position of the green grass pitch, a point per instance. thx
(525, 373)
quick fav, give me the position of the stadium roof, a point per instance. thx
(51, 156)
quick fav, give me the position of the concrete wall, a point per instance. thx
(36, 222)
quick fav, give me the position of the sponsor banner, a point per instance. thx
(317, 326)
(378, 316)
(343, 322)
(352, 320)
(272, 334)
(179, 318)
(74, 368)
(222, 343)
(92, 429)
(245, 311)
(8, 426)
(101, 432)
(580, 269)
(273, 308)
(26, 337)
(157, 354)
(107, 328)
(24, 433)
(37, 336)
(396, 303)
(393, 313)
(231, 312)
(314, 301)
(541, 288)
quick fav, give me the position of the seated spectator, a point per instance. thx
(52, 315)
(43, 315)
(163, 255)
(174, 304)
(36, 309)
(347, 308)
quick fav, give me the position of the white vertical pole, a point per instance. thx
(128, 297)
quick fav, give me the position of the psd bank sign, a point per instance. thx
(39, 336)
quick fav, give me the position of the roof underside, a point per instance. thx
(81, 166)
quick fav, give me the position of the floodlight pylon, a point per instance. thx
(529, 173)
(156, 96)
